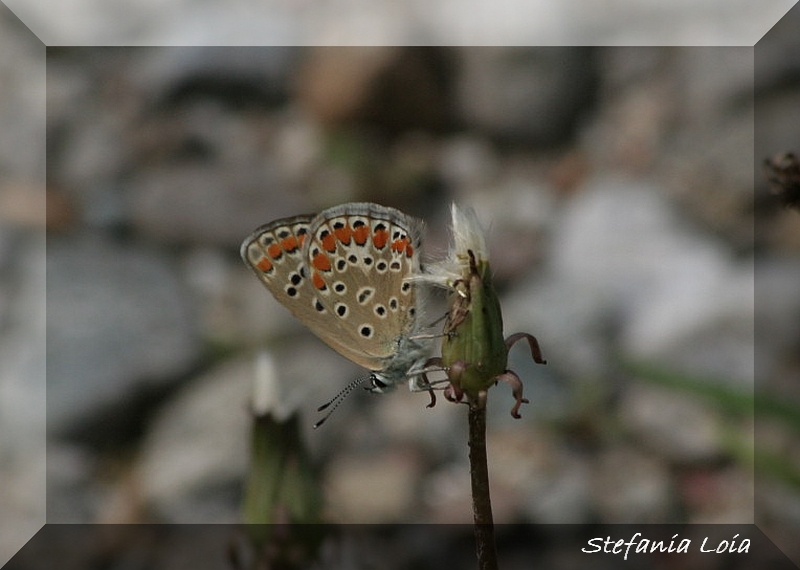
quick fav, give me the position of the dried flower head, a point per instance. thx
(474, 353)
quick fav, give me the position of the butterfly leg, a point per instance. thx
(427, 336)
(460, 308)
(511, 378)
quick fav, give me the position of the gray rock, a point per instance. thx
(777, 329)
(389, 88)
(526, 95)
(468, 161)
(679, 426)
(22, 339)
(89, 152)
(242, 75)
(22, 388)
(171, 142)
(374, 487)
(22, 100)
(195, 455)
(233, 306)
(118, 320)
(716, 495)
(630, 487)
(623, 268)
(775, 54)
(534, 476)
(72, 494)
(718, 83)
(22, 284)
(542, 22)
(204, 204)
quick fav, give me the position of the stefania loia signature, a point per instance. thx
(641, 545)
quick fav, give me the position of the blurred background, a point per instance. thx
(616, 185)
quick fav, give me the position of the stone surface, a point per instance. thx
(677, 425)
(374, 487)
(625, 23)
(196, 452)
(22, 388)
(524, 96)
(622, 263)
(22, 285)
(629, 486)
(118, 321)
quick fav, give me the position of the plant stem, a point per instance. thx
(479, 473)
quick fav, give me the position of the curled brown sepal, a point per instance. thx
(433, 362)
(453, 391)
(536, 352)
(510, 377)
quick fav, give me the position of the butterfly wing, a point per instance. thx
(360, 257)
(274, 252)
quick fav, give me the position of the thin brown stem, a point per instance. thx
(479, 472)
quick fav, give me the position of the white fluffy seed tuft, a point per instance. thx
(468, 235)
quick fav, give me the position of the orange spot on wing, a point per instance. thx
(329, 243)
(379, 238)
(318, 282)
(409, 250)
(343, 234)
(289, 244)
(360, 234)
(399, 245)
(274, 251)
(264, 265)
(300, 239)
(321, 262)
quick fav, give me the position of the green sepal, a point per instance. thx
(474, 332)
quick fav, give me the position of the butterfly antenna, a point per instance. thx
(334, 402)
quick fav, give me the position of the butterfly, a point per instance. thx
(348, 274)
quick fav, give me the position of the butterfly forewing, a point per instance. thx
(360, 259)
(275, 254)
